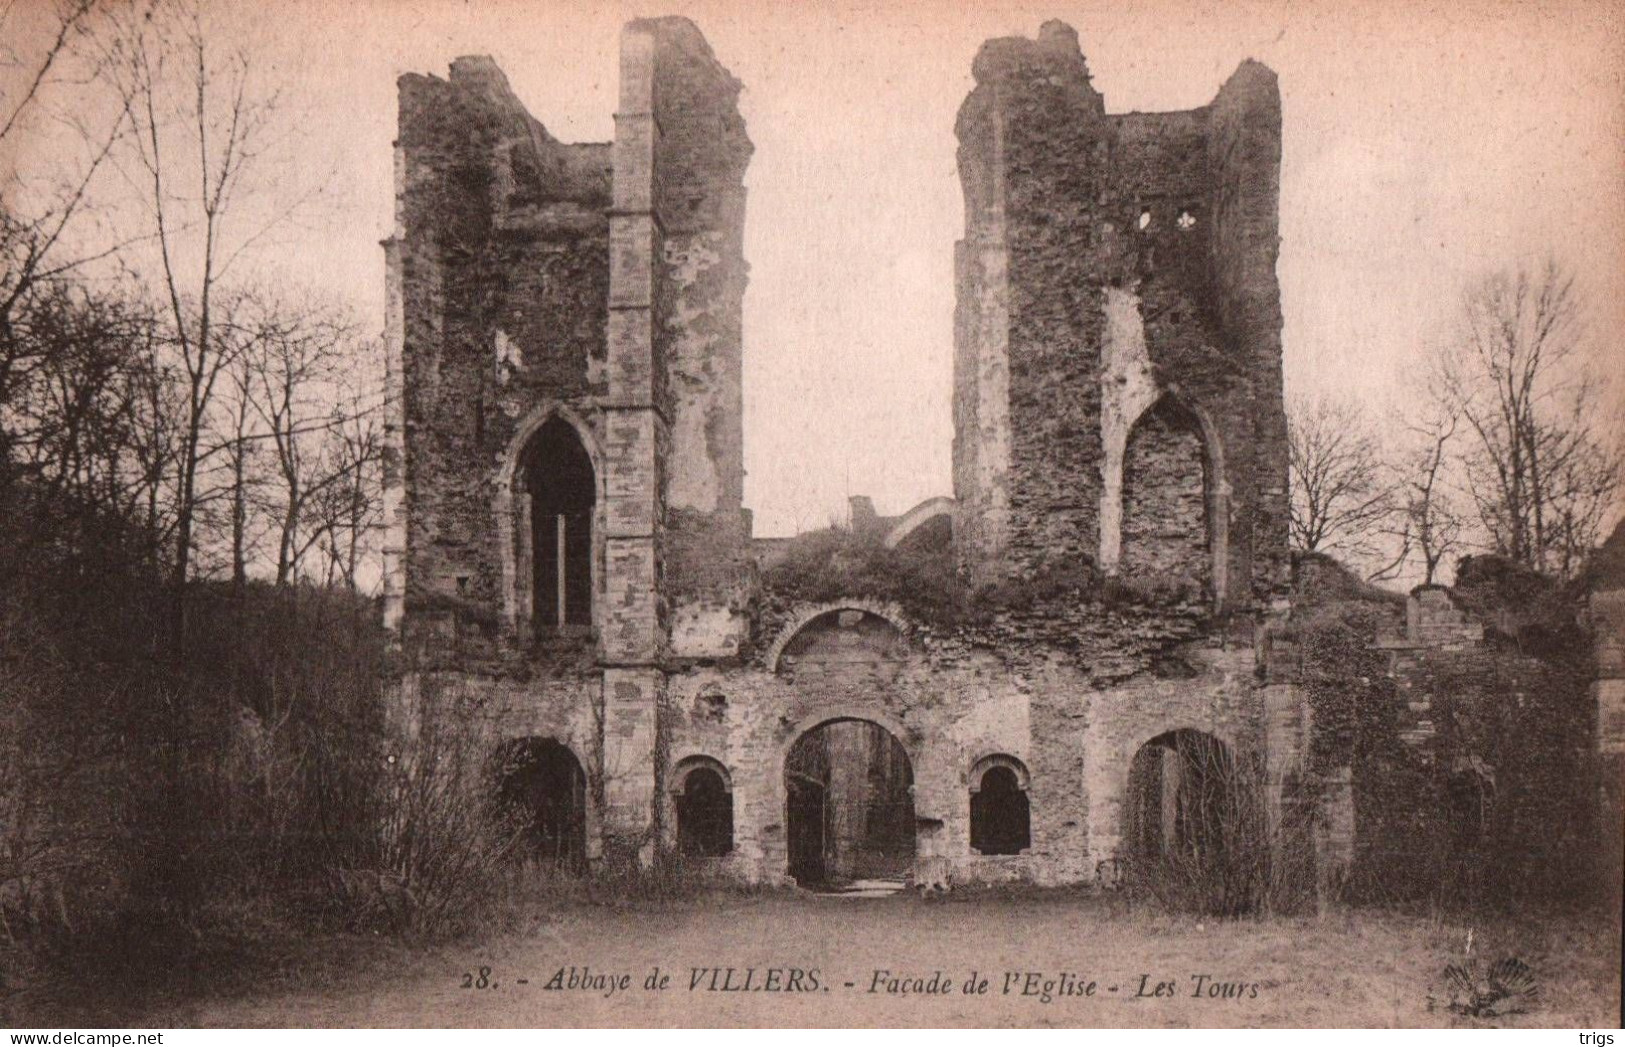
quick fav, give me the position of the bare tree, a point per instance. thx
(1544, 470)
(154, 444)
(1431, 513)
(297, 370)
(1340, 498)
(344, 513)
(1427, 525)
(40, 204)
(198, 128)
(31, 71)
(240, 449)
(72, 416)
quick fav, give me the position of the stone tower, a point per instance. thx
(565, 463)
(1118, 395)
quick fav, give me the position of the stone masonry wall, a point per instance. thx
(1108, 386)
(950, 708)
(1109, 260)
(1165, 526)
(500, 268)
(1033, 161)
(1606, 614)
(703, 153)
(1244, 159)
(1452, 760)
(598, 284)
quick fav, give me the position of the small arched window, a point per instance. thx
(705, 811)
(1000, 815)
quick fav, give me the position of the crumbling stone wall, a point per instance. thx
(498, 274)
(702, 154)
(1109, 259)
(502, 306)
(1030, 316)
(1117, 361)
(1605, 615)
(952, 703)
(1118, 554)
(599, 285)
(1451, 757)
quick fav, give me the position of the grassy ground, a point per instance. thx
(1353, 968)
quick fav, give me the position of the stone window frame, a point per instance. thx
(986, 763)
(512, 516)
(680, 772)
(689, 764)
(1015, 765)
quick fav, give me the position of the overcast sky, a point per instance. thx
(1423, 144)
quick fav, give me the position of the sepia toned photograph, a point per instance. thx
(526, 514)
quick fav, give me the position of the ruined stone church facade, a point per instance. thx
(567, 548)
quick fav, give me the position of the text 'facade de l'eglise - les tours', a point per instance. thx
(1064, 668)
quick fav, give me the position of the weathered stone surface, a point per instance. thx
(1113, 569)
(530, 279)
(602, 284)
(1108, 262)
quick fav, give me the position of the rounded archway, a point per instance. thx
(840, 633)
(1195, 823)
(849, 799)
(1182, 802)
(540, 784)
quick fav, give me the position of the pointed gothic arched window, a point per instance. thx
(561, 486)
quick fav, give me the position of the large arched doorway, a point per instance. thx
(1180, 796)
(1195, 827)
(850, 804)
(540, 784)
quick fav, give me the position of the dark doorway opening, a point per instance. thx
(849, 805)
(541, 785)
(1180, 787)
(1196, 827)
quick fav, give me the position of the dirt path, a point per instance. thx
(813, 961)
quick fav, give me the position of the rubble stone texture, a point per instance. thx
(1117, 416)
(1112, 265)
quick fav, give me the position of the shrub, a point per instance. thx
(435, 861)
(1228, 857)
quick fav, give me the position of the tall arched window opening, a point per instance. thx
(559, 481)
(1167, 538)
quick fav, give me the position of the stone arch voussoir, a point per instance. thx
(806, 614)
